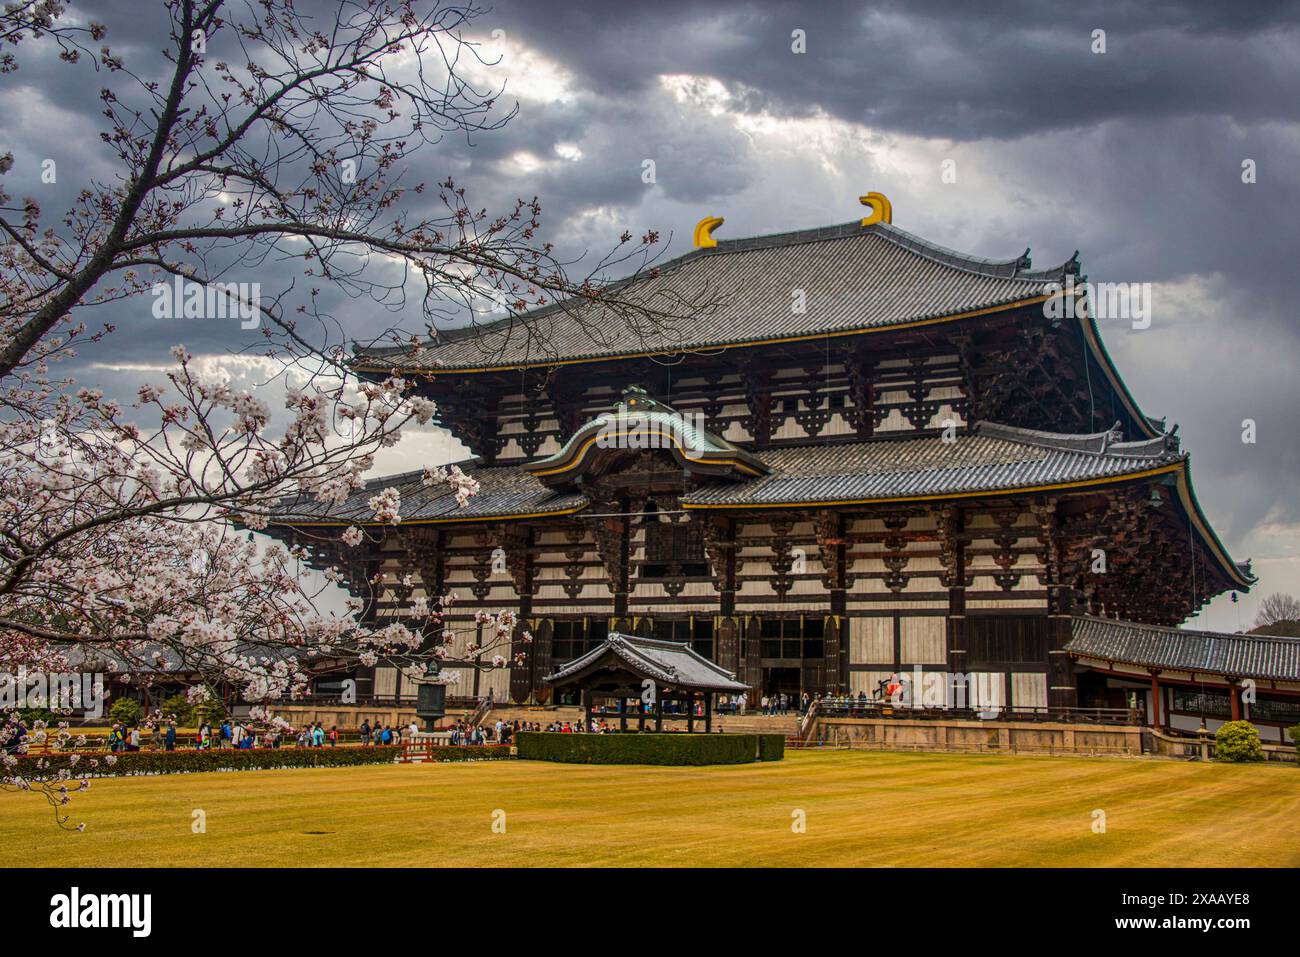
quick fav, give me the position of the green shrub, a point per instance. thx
(179, 707)
(126, 711)
(130, 763)
(1293, 733)
(771, 747)
(1238, 741)
(93, 764)
(672, 749)
(213, 710)
(31, 715)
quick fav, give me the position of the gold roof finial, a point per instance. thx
(881, 209)
(704, 232)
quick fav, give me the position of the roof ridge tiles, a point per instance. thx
(1016, 269)
(1090, 443)
(1186, 632)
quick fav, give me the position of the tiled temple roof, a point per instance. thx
(670, 663)
(506, 491)
(991, 458)
(854, 278)
(1262, 657)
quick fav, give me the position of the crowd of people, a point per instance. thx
(238, 734)
(161, 734)
(373, 735)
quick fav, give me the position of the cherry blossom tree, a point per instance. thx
(275, 141)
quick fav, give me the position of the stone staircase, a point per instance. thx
(541, 715)
(787, 725)
(735, 724)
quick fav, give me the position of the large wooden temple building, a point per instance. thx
(872, 454)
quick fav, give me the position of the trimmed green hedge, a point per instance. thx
(771, 747)
(37, 766)
(671, 749)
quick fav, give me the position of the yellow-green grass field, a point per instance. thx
(861, 809)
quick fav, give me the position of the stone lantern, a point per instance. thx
(430, 696)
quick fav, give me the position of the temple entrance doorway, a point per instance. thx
(776, 680)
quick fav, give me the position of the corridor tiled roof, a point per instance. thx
(853, 277)
(1262, 657)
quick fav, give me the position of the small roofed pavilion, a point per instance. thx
(625, 667)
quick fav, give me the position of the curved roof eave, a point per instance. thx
(1187, 496)
(1092, 338)
(654, 427)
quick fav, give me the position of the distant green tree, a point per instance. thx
(1238, 741)
(212, 710)
(126, 711)
(30, 715)
(178, 706)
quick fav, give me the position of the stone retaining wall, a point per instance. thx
(902, 734)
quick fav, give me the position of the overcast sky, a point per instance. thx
(1133, 156)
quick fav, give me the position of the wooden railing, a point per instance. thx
(808, 721)
(480, 711)
(855, 708)
(369, 701)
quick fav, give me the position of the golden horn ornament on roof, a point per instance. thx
(882, 211)
(704, 232)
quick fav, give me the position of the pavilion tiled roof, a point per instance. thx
(1262, 657)
(854, 278)
(671, 663)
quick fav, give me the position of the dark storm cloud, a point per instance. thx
(957, 70)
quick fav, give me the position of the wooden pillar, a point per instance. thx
(589, 701)
(1062, 688)
(727, 583)
(659, 712)
(623, 585)
(622, 712)
(952, 525)
(1155, 701)
(832, 545)
(690, 713)
(1234, 696)
(708, 712)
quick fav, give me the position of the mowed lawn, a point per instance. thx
(860, 809)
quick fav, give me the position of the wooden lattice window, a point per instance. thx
(674, 550)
